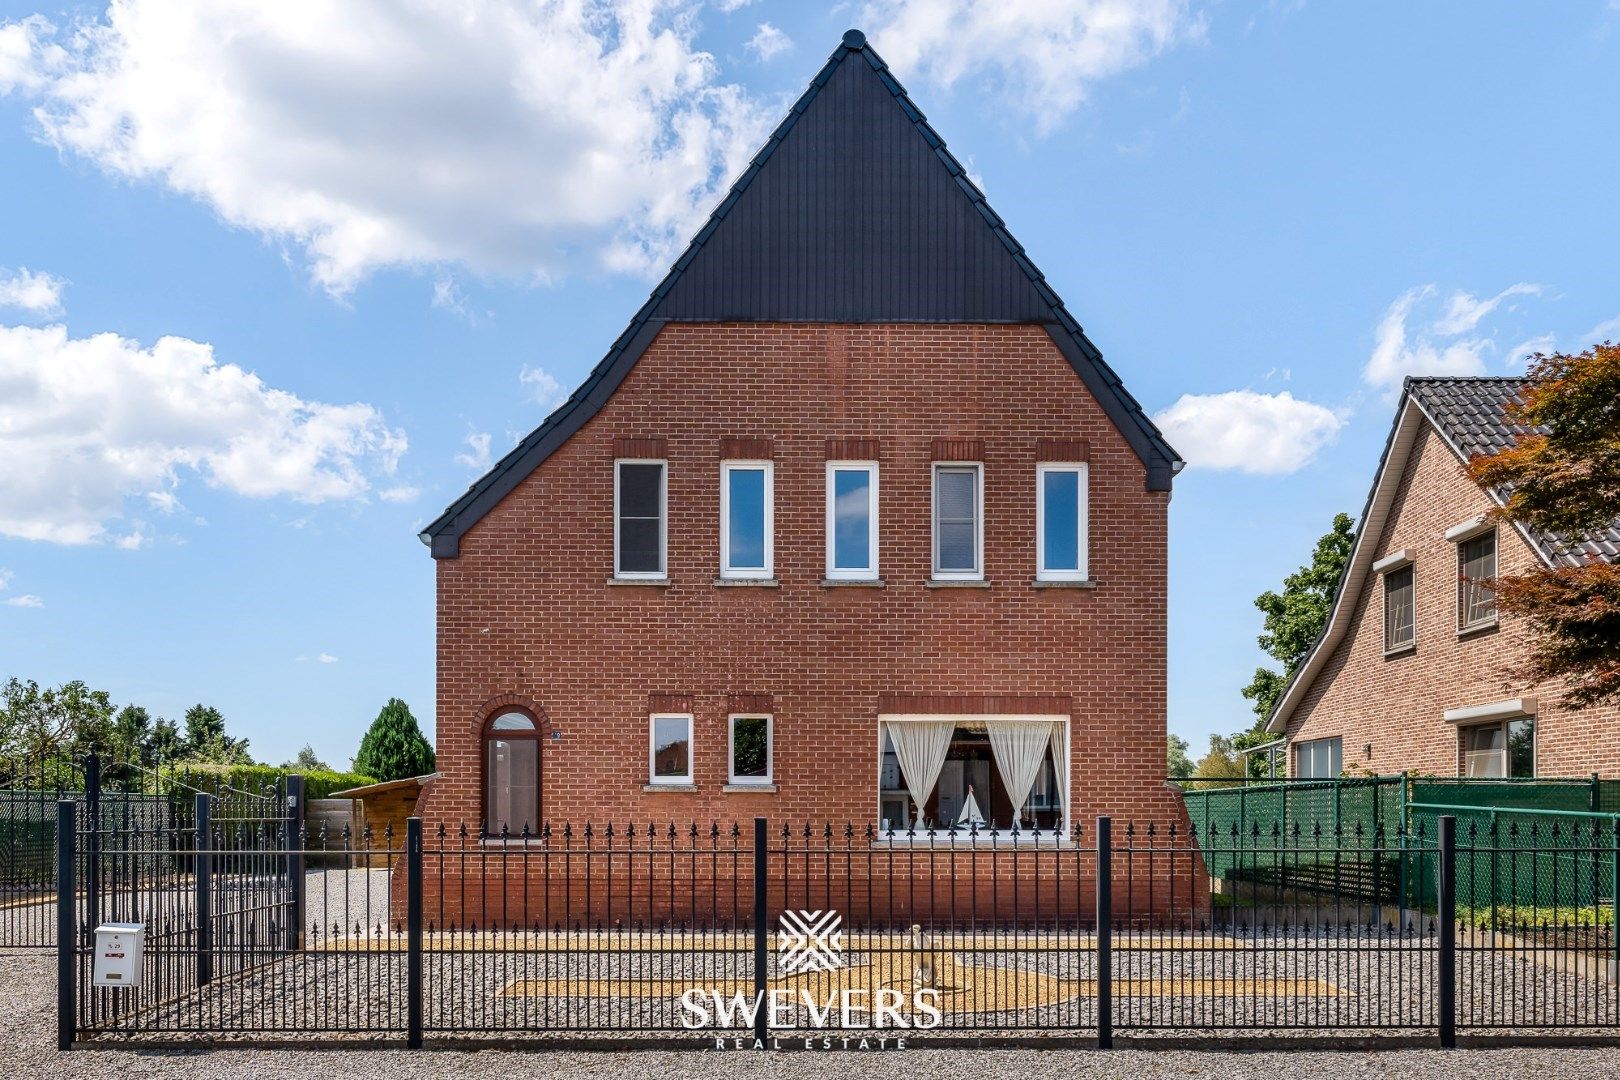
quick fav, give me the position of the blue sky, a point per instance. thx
(271, 290)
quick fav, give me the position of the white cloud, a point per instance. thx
(1516, 355)
(327, 658)
(1264, 434)
(476, 456)
(37, 293)
(25, 600)
(514, 138)
(730, 7)
(1607, 330)
(448, 296)
(5, 578)
(1396, 355)
(400, 493)
(546, 390)
(768, 41)
(1040, 56)
(87, 422)
(1465, 310)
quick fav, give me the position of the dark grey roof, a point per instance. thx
(1470, 414)
(861, 216)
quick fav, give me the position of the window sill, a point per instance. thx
(854, 583)
(957, 583)
(655, 582)
(1063, 583)
(756, 582)
(1477, 628)
(749, 789)
(673, 789)
(1400, 650)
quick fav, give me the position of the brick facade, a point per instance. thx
(527, 618)
(1395, 704)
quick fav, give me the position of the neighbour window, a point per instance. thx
(746, 519)
(512, 775)
(958, 523)
(1060, 522)
(640, 497)
(1476, 561)
(852, 520)
(670, 749)
(1319, 759)
(1501, 749)
(1399, 625)
(751, 750)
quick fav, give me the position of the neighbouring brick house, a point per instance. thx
(851, 521)
(1412, 671)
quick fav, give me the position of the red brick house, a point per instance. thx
(852, 519)
(1412, 671)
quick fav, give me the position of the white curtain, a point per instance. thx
(1060, 764)
(1019, 747)
(920, 747)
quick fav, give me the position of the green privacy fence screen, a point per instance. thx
(1552, 842)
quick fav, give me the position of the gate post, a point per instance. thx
(67, 934)
(1105, 933)
(92, 847)
(413, 933)
(295, 863)
(1448, 931)
(762, 1014)
(203, 872)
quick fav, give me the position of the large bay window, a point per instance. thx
(971, 775)
(511, 775)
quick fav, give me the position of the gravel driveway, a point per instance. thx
(27, 1002)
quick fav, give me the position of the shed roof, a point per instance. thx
(852, 212)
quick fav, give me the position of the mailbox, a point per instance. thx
(118, 954)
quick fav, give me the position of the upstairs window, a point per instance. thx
(669, 749)
(852, 520)
(640, 498)
(958, 522)
(1060, 522)
(746, 519)
(1476, 562)
(1400, 630)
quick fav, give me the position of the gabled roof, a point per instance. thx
(1469, 415)
(853, 211)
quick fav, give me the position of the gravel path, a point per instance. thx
(27, 1002)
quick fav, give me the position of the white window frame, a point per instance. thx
(653, 779)
(977, 573)
(663, 521)
(769, 778)
(1299, 750)
(727, 571)
(834, 573)
(1082, 470)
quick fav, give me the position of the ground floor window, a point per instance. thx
(972, 773)
(1501, 749)
(669, 749)
(512, 775)
(1319, 759)
(750, 750)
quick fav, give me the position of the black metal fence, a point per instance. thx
(705, 935)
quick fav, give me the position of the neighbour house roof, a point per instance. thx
(366, 790)
(1469, 415)
(852, 212)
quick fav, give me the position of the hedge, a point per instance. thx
(318, 783)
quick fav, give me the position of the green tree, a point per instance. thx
(1178, 766)
(206, 741)
(38, 723)
(1221, 763)
(307, 761)
(132, 735)
(393, 747)
(165, 744)
(1562, 475)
